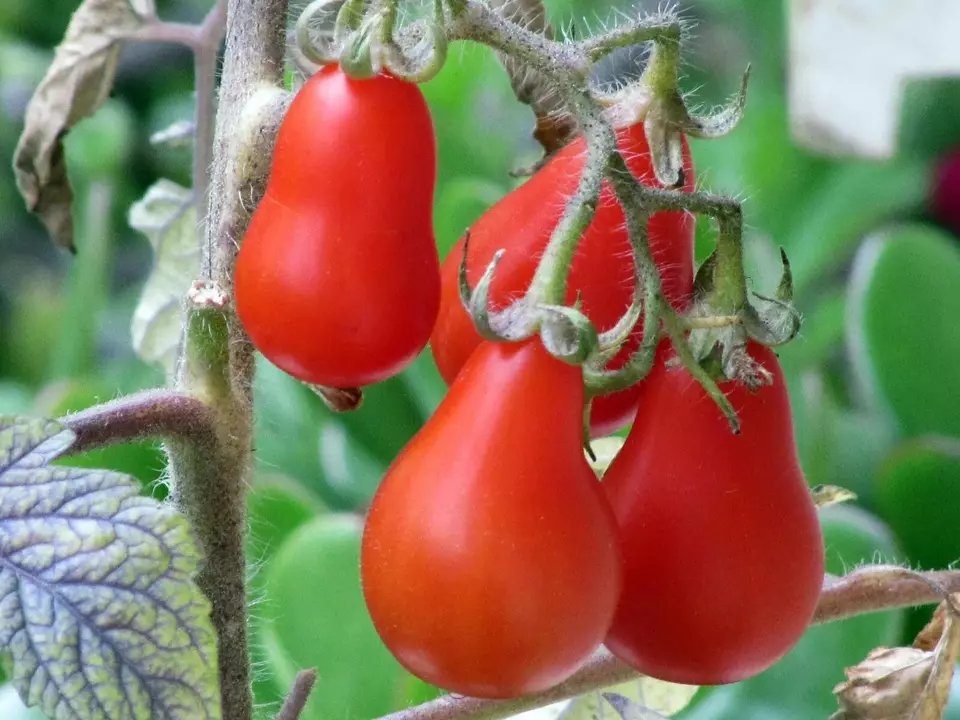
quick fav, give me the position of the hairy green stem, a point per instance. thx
(549, 284)
(673, 324)
(730, 280)
(565, 63)
(630, 194)
(661, 27)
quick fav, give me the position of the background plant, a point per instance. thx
(871, 375)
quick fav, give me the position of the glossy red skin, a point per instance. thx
(338, 279)
(602, 271)
(723, 554)
(489, 560)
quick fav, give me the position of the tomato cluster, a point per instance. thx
(601, 276)
(494, 561)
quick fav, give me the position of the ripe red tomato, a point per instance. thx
(602, 270)
(338, 279)
(723, 556)
(489, 560)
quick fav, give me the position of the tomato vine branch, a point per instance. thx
(157, 413)
(870, 589)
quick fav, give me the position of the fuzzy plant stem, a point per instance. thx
(208, 481)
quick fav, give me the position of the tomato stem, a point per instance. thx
(660, 27)
(549, 285)
(729, 295)
(675, 330)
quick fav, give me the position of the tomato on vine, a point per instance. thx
(602, 271)
(489, 561)
(337, 280)
(723, 555)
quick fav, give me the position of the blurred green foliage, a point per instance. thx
(874, 376)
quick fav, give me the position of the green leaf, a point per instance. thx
(317, 618)
(821, 336)
(847, 204)
(838, 445)
(288, 416)
(387, 420)
(927, 126)
(297, 436)
(917, 494)
(347, 465)
(904, 307)
(167, 216)
(100, 612)
(276, 507)
(801, 685)
(752, 161)
(98, 147)
(471, 95)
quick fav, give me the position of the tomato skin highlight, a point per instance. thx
(489, 560)
(602, 271)
(338, 279)
(723, 553)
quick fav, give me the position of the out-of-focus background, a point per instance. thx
(874, 376)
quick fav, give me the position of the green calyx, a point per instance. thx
(723, 320)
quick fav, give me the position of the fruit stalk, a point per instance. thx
(549, 285)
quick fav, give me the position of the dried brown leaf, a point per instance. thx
(928, 638)
(555, 127)
(905, 683)
(76, 84)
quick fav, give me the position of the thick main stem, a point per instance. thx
(218, 365)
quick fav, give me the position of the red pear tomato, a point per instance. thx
(723, 556)
(602, 270)
(338, 279)
(489, 560)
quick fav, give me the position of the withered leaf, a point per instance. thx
(904, 683)
(76, 84)
(555, 127)
(168, 217)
